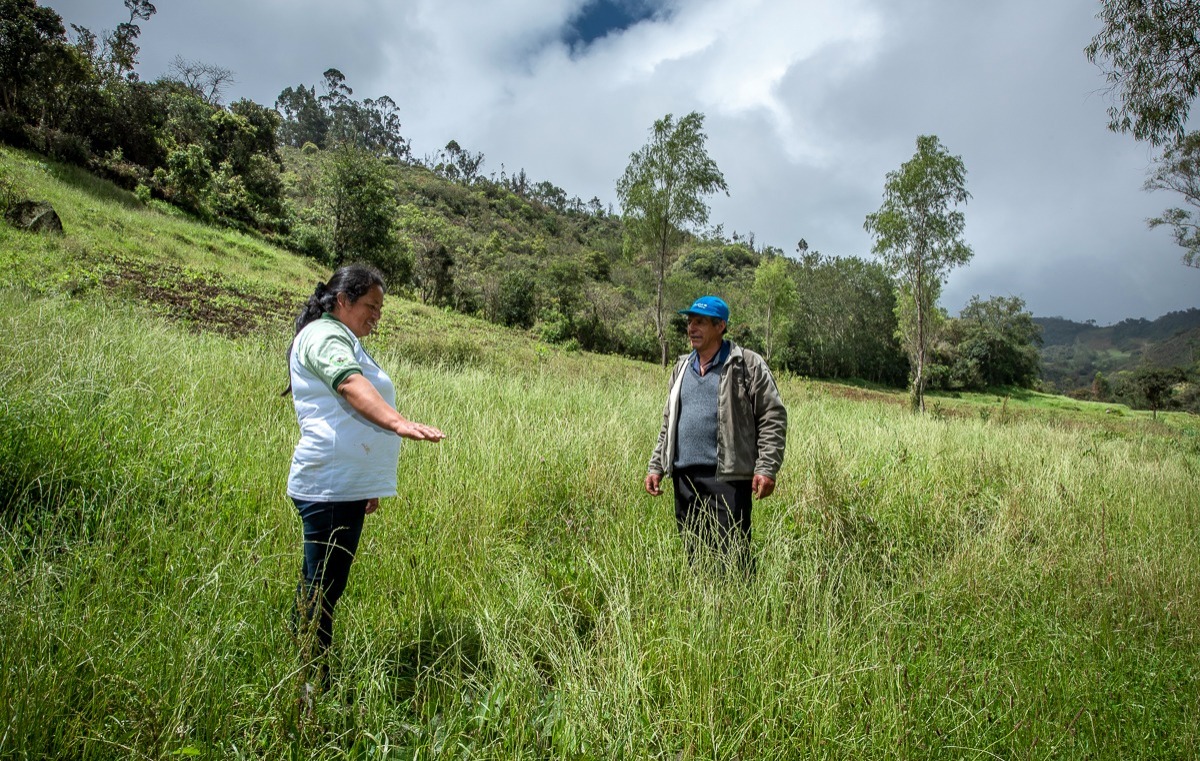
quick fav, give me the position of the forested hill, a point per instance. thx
(1074, 352)
(1127, 334)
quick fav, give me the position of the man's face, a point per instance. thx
(705, 333)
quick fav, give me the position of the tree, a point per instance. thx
(206, 80)
(662, 193)
(359, 204)
(1150, 54)
(918, 236)
(716, 261)
(517, 299)
(341, 109)
(776, 295)
(335, 118)
(1153, 387)
(1179, 170)
(29, 34)
(304, 119)
(994, 343)
(381, 128)
(121, 46)
(457, 164)
(185, 179)
(432, 262)
(844, 322)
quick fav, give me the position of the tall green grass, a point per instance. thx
(1003, 578)
(951, 588)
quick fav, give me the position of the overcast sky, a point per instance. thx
(808, 105)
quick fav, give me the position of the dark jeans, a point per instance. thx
(713, 516)
(331, 533)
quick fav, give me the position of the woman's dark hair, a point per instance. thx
(354, 280)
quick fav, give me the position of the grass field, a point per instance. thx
(1012, 576)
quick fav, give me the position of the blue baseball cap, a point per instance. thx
(709, 306)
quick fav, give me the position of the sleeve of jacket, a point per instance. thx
(770, 421)
(658, 458)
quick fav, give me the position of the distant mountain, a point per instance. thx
(1073, 352)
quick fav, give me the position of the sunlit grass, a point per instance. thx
(925, 587)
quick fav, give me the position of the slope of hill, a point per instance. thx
(210, 278)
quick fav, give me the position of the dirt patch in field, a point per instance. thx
(205, 301)
(857, 394)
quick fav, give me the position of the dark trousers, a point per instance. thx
(713, 516)
(331, 533)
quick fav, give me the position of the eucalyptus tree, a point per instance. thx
(918, 237)
(304, 119)
(775, 294)
(662, 194)
(121, 45)
(1149, 51)
(1178, 170)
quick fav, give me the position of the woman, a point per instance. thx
(349, 438)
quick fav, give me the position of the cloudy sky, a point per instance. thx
(808, 105)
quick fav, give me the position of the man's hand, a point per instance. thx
(762, 486)
(654, 484)
(372, 505)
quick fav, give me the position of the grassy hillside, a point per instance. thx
(1007, 577)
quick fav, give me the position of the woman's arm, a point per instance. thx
(365, 400)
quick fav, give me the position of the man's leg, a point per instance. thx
(714, 513)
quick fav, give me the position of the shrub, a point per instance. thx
(11, 190)
(60, 146)
(516, 300)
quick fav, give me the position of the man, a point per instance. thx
(722, 438)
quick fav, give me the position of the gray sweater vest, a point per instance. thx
(696, 435)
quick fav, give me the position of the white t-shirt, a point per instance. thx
(341, 455)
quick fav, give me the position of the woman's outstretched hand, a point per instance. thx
(418, 431)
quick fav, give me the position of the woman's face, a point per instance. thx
(362, 315)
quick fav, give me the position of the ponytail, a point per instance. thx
(354, 280)
(321, 301)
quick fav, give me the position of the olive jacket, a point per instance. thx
(751, 419)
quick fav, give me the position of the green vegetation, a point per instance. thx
(918, 236)
(1013, 577)
(1112, 363)
(331, 176)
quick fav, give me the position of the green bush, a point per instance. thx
(12, 190)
